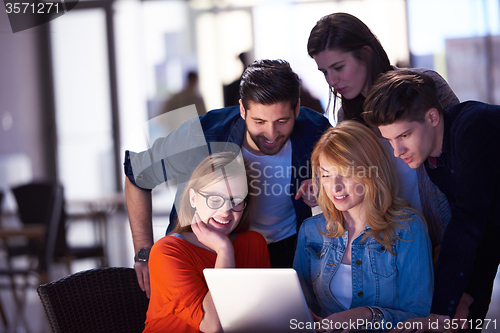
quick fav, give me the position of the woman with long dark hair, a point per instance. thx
(351, 58)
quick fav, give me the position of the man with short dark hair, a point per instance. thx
(459, 148)
(276, 137)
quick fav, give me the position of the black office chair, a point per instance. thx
(34, 202)
(106, 299)
(38, 203)
(67, 252)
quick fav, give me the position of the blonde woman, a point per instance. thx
(212, 233)
(367, 259)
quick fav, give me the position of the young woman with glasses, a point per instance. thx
(212, 233)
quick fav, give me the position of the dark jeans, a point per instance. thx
(282, 252)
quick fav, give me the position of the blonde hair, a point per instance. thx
(354, 148)
(213, 169)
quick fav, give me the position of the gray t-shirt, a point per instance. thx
(273, 216)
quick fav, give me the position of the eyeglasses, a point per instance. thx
(216, 202)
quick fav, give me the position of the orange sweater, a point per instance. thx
(178, 286)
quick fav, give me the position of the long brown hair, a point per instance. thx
(346, 33)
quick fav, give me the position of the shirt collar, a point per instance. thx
(433, 162)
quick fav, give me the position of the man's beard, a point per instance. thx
(258, 140)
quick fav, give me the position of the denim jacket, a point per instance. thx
(400, 286)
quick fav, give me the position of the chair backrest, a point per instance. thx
(106, 299)
(35, 201)
(42, 203)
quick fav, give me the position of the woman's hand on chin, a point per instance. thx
(212, 239)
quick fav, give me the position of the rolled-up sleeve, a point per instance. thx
(169, 157)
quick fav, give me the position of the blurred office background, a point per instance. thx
(77, 92)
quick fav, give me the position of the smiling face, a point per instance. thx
(414, 142)
(347, 75)
(268, 127)
(223, 219)
(346, 193)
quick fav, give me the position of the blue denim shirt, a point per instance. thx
(401, 285)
